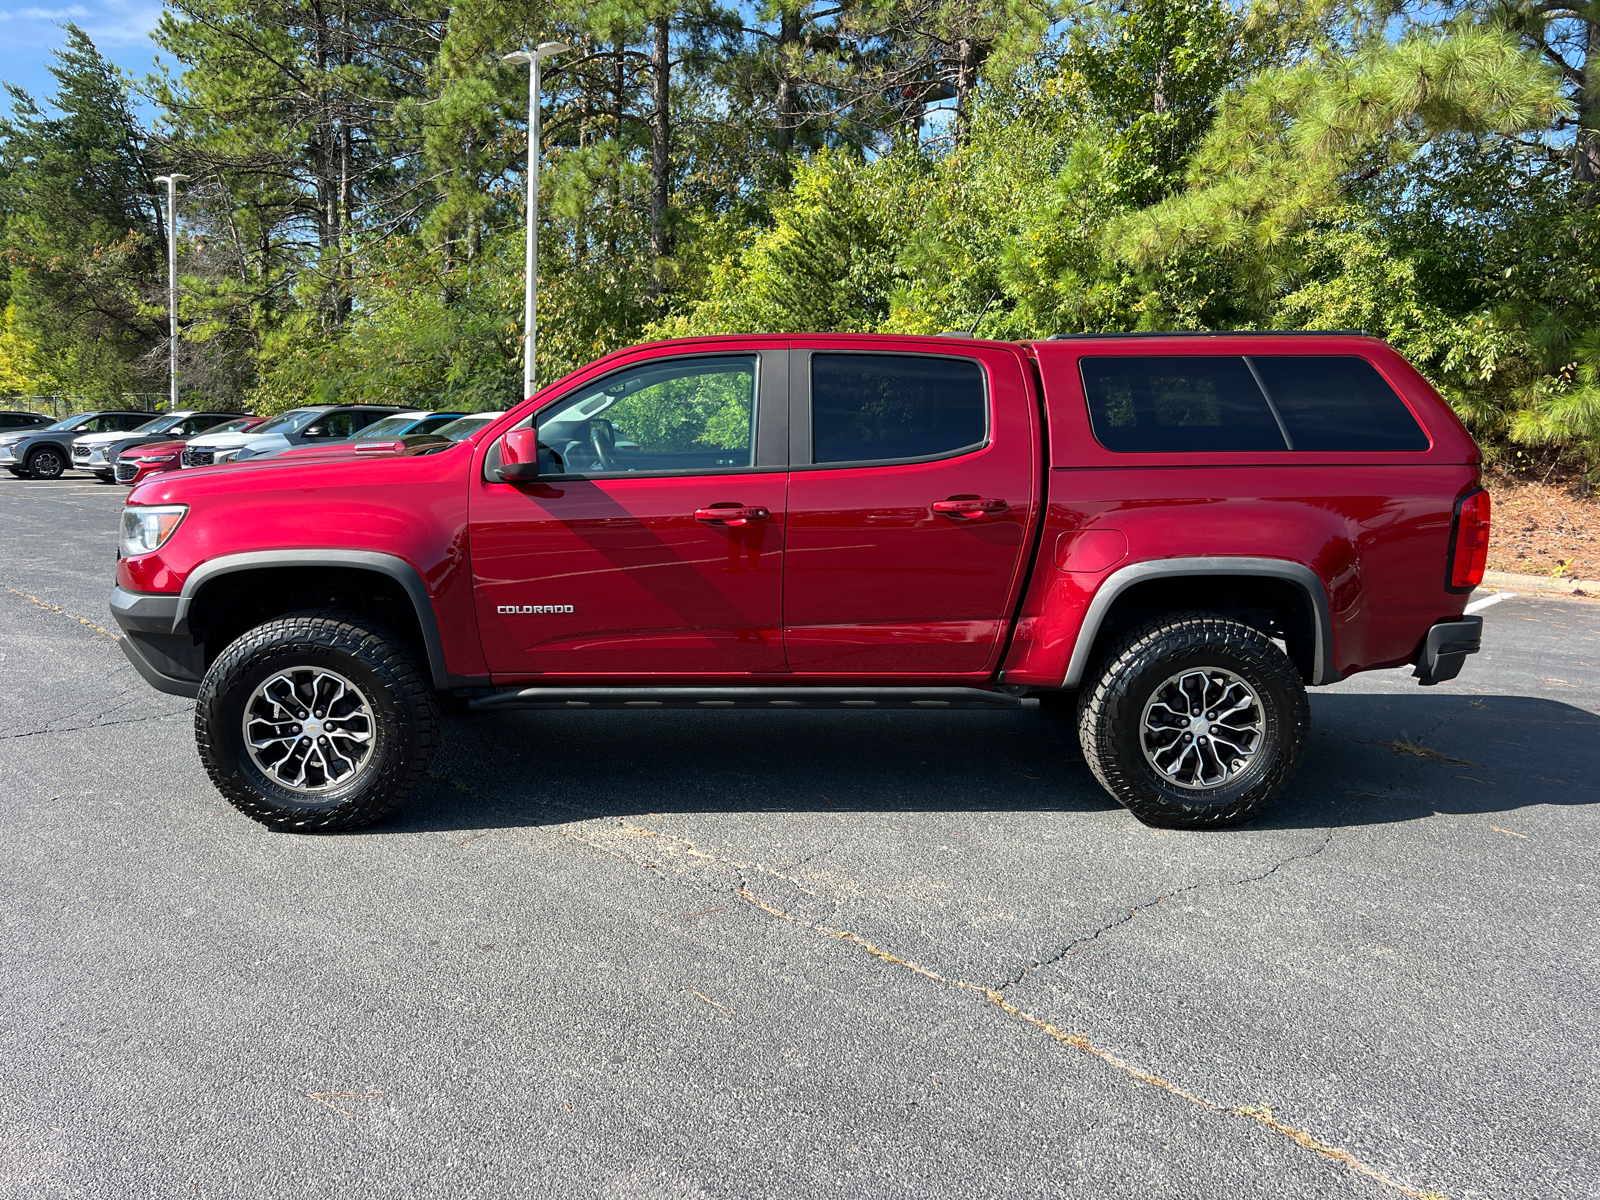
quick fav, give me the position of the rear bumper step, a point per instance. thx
(1445, 649)
(752, 697)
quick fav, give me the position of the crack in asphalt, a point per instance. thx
(1078, 945)
(91, 725)
(1077, 1041)
(46, 606)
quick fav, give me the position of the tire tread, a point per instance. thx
(380, 651)
(1104, 709)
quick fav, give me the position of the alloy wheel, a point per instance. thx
(1202, 728)
(308, 729)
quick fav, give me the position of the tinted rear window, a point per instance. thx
(1338, 402)
(1167, 403)
(872, 407)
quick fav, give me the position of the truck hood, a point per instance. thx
(314, 467)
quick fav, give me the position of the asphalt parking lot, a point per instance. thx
(806, 954)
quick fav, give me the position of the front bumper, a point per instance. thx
(7, 454)
(170, 662)
(1445, 649)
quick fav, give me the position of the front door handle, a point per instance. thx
(731, 514)
(968, 508)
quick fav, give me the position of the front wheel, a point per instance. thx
(1195, 722)
(316, 721)
(46, 464)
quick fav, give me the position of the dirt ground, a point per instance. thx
(1544, 529)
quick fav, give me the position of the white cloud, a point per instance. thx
(110, 22)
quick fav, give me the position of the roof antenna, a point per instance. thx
(973, 332)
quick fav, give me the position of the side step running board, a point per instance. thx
(752, 697)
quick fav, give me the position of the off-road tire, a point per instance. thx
(46, 464)
(405, 719)
(1112, 707)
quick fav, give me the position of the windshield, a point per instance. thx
(233, 426)
(388, 427)
(465, 426)
(76, 422)
(159, 425)
(290, 422)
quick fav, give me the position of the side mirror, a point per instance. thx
(519, 456)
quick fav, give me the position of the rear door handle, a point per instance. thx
(968, 508)
(731, 514)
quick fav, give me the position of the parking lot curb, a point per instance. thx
(1542, 583)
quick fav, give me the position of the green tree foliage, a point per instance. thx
(1430, 173)
(82, 235)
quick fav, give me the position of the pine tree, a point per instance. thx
(83, 232)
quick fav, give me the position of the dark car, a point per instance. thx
(45, 453)
(97, 452)
(22, 420)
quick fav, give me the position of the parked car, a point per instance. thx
(137, 463)
(22, 420)
(1170, 536)
(405, 424)
(317, 426)
(417, 440)
(46, 453)
(465, 426)
(97, 452)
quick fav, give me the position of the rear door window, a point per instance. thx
(1337, 402)
(1164, 403)
(884, 407)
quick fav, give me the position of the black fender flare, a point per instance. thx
(1302, 576)
(396, 568)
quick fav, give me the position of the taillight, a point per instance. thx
(1469, 541)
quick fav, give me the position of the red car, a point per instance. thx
(138, 463)
(1174, 534)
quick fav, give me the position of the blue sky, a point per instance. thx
(121, 29)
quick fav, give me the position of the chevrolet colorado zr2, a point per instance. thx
(1171, 536)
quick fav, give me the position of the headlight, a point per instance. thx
(222, 456)
(150, 458)
(146, 529)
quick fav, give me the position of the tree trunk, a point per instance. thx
(614, 181)
(787, 105)
(1586, 147)
(966, 81)
(660, 141)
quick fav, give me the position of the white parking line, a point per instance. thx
(1478, 606)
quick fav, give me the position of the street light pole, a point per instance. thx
(172, 282)
(530, 285)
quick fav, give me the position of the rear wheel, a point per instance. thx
(1195, 722)
(47, 463)
(316, 721)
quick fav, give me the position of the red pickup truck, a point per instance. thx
(1171, 536)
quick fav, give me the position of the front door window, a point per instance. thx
(694, 416)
